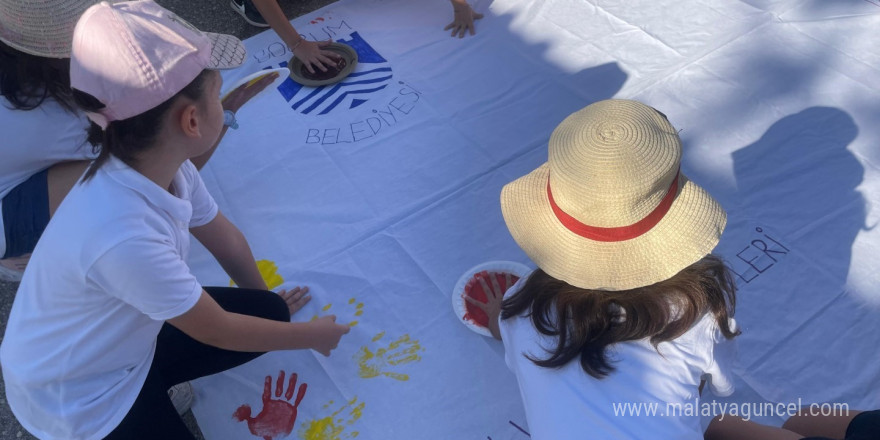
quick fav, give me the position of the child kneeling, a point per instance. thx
(108, 315)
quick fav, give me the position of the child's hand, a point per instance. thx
(494, 296)
(463, 19)
(327, 334)
(313, 55)
(295, 298)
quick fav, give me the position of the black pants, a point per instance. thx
(26, 214)
(180, 358)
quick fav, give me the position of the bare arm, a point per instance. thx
(234, 101)
(209, 324)
(309, 52)
(228, 245)
(494, 299)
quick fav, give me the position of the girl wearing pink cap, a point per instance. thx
(108, 315)
(48, 143)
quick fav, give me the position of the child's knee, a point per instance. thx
(277, 309)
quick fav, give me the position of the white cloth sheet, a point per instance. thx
(381, 193)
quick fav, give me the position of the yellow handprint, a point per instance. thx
(402, 351)
(331, 427)
(358, 311)
(269, 272)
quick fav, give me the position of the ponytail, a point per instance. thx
(127, 138)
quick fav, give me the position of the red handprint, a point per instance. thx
(278, 416)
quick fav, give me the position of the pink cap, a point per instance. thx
(133, 56)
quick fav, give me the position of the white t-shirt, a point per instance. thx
(34, 140)
(569, 404)
(108, 271)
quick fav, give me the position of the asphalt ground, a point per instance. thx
(207, 15)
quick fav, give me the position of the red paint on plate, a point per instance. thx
(474, 289)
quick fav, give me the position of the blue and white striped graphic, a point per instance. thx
(372, 74)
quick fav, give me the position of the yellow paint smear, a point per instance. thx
(402, 351)
(396, 376)
(358, 311)
(333, 427)
(254, 81)
(269, 273)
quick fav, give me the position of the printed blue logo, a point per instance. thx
(372, 74)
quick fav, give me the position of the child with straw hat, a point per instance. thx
(627, 312)
(46, 144)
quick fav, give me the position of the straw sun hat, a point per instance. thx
(41, 27)
(610, 210)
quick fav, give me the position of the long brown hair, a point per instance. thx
(585, 322)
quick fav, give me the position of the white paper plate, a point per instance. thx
(458, 301)
(283, 73)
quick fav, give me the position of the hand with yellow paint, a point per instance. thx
(399, 352)
(333, 426)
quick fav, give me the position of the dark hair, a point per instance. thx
(125, 139)
(26, 81)
(585, 322)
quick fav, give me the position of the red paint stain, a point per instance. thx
(317, 20)
(277, 418)
(474, 289)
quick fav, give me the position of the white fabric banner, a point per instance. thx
(379, 192)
